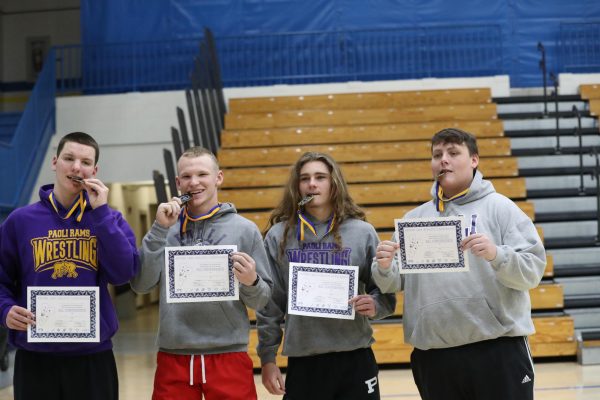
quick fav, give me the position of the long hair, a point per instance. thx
(343, 205)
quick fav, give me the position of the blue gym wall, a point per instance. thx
(523, 22)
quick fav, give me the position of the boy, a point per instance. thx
(73, 226)
(470, 329)
(203, 346)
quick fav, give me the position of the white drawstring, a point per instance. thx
(192, 370)
(203, 370)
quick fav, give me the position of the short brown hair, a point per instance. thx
(458, 136)
(81, 138)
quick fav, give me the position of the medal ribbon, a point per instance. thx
(439, 200)
(185, 217)
(80, 203)
(305, 222)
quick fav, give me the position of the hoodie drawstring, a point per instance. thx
(192, 370)
(203, 368)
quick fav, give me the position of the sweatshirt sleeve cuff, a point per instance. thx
(267, 358)
(383, 272)
(158, 231)
(500, 258)
(100, 213)
(4, 314)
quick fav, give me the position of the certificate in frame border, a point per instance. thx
(92, 291)
(463, 262)
(170, 252)
(293, 308)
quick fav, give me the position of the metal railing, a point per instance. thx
(596, 176)
(125, 67)
(20, 160)
(206, 110)
(542, 64)
(307, 57)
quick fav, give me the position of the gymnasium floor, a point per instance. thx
(135, 353)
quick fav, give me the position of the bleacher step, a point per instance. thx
(580, 286)
(568, 144)
(582, 301)
(568, 192)
(588, 347)
(553, 171)
(559, 182)
(561, 230)
(541, 115)
(579, 256)
(539, 107)
(564, 204)
(570, 242)
(558, 160)
(522, 133)
(585, 318)
(547, 123)
(574, 270)
(550, 151)
(562, 216)
(535, 99)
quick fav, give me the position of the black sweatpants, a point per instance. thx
(498, 369)
(52, 377)
(349, 375)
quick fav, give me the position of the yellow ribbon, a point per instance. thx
(80, 203)
(439, 204)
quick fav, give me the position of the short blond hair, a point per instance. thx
(199, 151)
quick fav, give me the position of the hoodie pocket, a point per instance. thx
(455, 322)
(232, 315)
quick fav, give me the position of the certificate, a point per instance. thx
(430, 245)
(64, 314)
(200, 273)
(320, 290)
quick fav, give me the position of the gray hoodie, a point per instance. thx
(210, 327)
(491, 299)
(304, 335)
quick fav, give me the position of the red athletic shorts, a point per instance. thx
(226, 376)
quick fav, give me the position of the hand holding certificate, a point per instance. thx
(430, 245)
(64, 314)
(200, 273)
(322, 290)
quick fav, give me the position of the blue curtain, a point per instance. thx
(523, 22)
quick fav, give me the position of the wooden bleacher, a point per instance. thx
(350, 152)
(377, 171)
(589, 91)
(320, 117)
(594, 107)
(381, 141)
(353, 134)
(362, 100)
(381, 217)
(372, 193)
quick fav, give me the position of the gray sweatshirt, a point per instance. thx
(491, 299)
(207, 327)
(305, 335)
